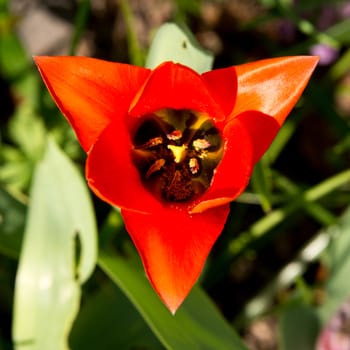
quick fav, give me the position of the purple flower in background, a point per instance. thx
(331, 340)
(335, 335)
(345, 10)
(327, 54)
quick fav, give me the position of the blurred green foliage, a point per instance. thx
(293, 218)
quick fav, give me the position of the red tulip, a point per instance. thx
(172, 148)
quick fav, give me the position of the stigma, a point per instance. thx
(179, 152)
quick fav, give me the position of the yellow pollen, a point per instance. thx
(179, 152)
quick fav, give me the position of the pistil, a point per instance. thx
(179, 152)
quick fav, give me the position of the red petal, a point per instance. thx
(90, 92)
(112, 175)
(174, 246)
(222, 84)
(178, 87)
(233, 172)
(273, 86)
(248, 136)
(262, 130)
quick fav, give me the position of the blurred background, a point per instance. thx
(274, 250)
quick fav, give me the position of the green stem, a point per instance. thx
(328, 186)
(80, 25)
(262, 226)
(135, 51)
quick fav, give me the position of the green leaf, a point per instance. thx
(12, 220)
(13, 61)
(17, 174)
(340, 31)
(27, 130)
(299, 326)
(196, 325)
(60, 223)
(107, 320)
(341, 66)
(15, 65)
(177, 44)
(337, 287)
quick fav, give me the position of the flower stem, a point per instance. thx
(135, 51)
(262, 226)
(80, 25)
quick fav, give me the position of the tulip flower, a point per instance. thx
(172, 148)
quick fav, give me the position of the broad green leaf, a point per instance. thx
(338, 257)
(298, 328)
(107, 320)
(12, 220)
(196, 325)
(173, 43)
(60, 224)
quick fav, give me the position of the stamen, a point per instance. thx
(194, 165)
(175, 135)
(151, 143)
(201, 144)
(156, 166)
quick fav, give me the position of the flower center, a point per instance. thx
(176, 153)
